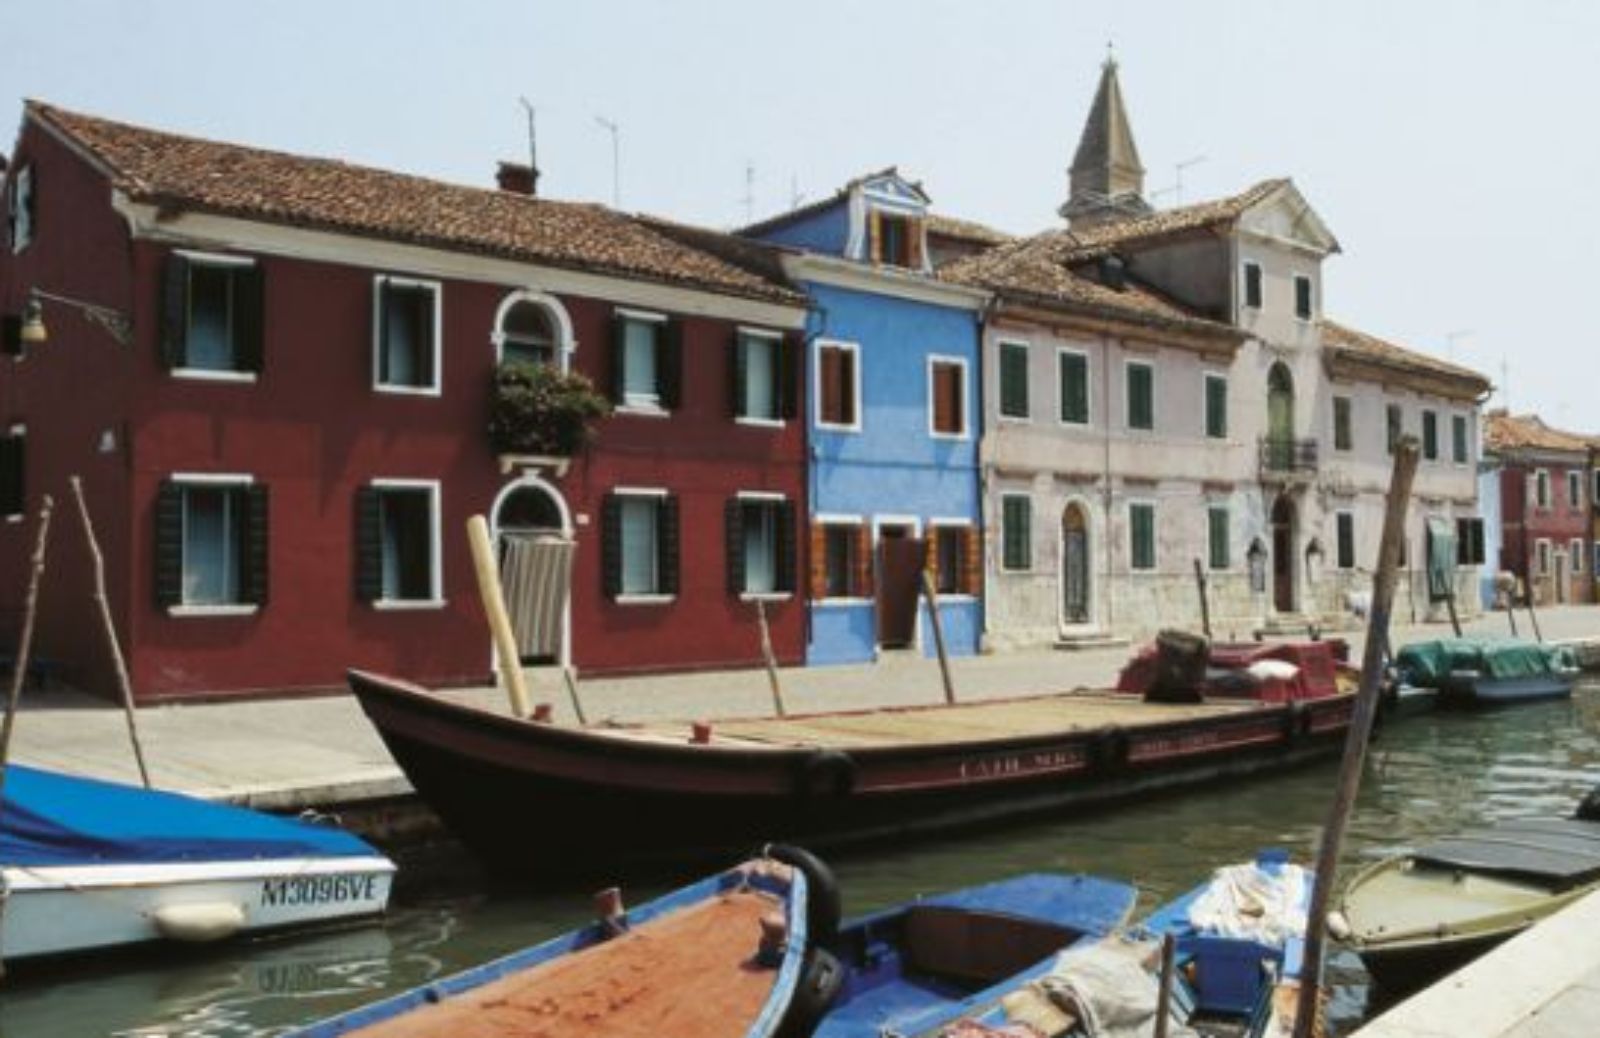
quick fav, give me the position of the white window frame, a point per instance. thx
(1355, 552)
(379, 281)
(1294, 300)
(743, 332)
(1542, 489)
(1244, 286)
(565, 345)
(933, 360)
(1155, 534)
(769, 497)
(999, 380)
(826, 519)
(1088, 388)
(934, 525)
(21, 188)
(1004, 539)
(1574, 488)
(212, 259)
(1206, 378)
(659, 495)
(854, 349)
(642, 405)
(1128, 364)
(435, 599)
(206, 479)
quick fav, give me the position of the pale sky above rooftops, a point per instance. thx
(1447, 144)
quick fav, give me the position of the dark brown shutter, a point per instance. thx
(847, 386)
(831, 410)
(789, 376)
(248, 316)
(168, 570)
(667, 545)
(942, 417)
(818, 569)
(611, 545)
(669, 364)
(788, 546)
(733, 529)
(369, 545)
(253, 576)
(174, 311)
(619, 355)
(861, 580)
(875, 236)
(11, 335)
(914, 243)
(13, 478)
(738, 374)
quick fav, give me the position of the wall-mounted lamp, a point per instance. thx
(34, 332)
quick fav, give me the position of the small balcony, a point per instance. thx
(1286, 459)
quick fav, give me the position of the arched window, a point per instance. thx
(533, 328)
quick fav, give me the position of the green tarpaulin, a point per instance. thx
(1428, 663)
(1441, 560)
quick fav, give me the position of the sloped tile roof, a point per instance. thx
(1346, 341)
(188, 173)
(965, 230)
(788, 216)
(1100, 239)
(1036, 270)
(1502, 432)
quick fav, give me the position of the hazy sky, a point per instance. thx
(1451, 146)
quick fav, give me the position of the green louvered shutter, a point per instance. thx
(168, 570)
(667, 545)
(253, 573)
(369, 545)
(174, 311)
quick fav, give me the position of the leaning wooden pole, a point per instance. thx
(1355, 746)
(1205, 603)
(770, 659)
(1169, 960)
(494, 607)
(124, 685)
(25, 645)
(932, 595)
(1527, 584)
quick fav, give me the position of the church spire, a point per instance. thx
(1107, 179)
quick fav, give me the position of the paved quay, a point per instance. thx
(1544, 983)
(321, 752)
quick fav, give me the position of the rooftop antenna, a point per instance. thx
(795, 197)
(533, 136)
(616, 159)
(749, 197)
(1505, 385)
(1176, 190)
(1450, 339)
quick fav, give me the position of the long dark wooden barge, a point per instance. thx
(528, 796)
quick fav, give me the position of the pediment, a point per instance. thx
(894, 190)
(1286, 216)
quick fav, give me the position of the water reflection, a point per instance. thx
(1427, 776)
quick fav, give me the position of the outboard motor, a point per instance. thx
(1589, 807)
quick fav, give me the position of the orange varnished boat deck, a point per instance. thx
(688, 975)
(912, 726)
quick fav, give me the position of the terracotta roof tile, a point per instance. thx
(965, 230)
(1097, 240)
(274, 187)
(1342, 339)
(1502, 431)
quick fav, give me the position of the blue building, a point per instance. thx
(893, 424)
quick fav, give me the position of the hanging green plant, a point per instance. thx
(537, 409)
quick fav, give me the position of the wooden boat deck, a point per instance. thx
(690, 974)
(922, 725)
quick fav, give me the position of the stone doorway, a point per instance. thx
(1283, 523)
(1075, 568)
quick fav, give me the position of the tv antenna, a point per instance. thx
(533, 136)
(616, 159)
(1176, 190)
(1451, 338)
(795, 197)
(749, 197)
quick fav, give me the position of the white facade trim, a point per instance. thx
(884, 281)
(564, 346)
(933, 361)
(379, 282)
(854, 349)
(435, 598)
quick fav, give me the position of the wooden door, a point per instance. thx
(1074, 566)
(901, 558)
(1283, 555)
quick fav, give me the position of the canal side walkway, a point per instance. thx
(1544, 983)
(320, 752)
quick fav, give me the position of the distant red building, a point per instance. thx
(282, 446)
(1544, 505)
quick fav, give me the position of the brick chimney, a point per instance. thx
(518, 178)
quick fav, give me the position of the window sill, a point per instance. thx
(843, 601)
(1015, 419)
(210, 375)
(15, 517)
(952, 436)
(760, 423)
(645, 599)
(955, 598)
(833, 428)
(765, 596)
(643, 410)
(234, 609)
(400, 605)
(392, 390)
(1006, 571)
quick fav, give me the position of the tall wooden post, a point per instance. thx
(932, 595)
(19, 673)
(1205, 604)
(124, 685)
(494, 607)
(770, 658)
(1533, 617)
(1355, 747)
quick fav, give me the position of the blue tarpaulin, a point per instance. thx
(52, 819)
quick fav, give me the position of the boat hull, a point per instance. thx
(59, 910)
(1491, 692)
(1400, 970)
(649, 800)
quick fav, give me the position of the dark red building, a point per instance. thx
(1544, 505)
(275, 376)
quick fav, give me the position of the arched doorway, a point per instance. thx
(1075, 569)
(1280, 416)
(1283, 520)
(525, 512)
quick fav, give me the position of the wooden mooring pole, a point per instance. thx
(1355, 746)
(932, 595)
(1169, 961)
(1205, 603)
(494, 607)
(1533, 617)
(770, 659)
(103, 607)
(19, 673)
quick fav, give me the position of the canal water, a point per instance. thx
(1426, 776)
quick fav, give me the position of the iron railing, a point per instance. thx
(1282, 456)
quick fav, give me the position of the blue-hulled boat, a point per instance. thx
(91, 865)
(1475, 672)
(912, 968)
(730, 956)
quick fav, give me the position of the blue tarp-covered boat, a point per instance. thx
(90, 864)
(1487, 671)
(912, 968)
